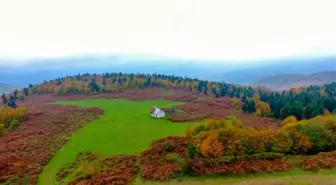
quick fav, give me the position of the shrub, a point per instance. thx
(88, 170)
(326, 112)
(169, 146)
(198, 129)
(290, 119)
(192, 151)
(282, 143)
(2, 129)
(172, 157)
(161, 172)
(211, 146)
(318, 135)
(14, 124)
(301, 142)
(21, 97)
(9, 114)
(188, 131)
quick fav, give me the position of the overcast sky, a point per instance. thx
(192, 29)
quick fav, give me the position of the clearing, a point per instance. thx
(125, 128)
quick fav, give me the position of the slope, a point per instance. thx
(287, 81)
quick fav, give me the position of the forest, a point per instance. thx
(303, 103)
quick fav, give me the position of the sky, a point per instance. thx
(189, 29)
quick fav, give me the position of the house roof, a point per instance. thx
(156, 110)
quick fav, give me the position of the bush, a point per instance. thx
(21, 97)
(318, 134)
(172, 157)
(169, 146)
(211, 146)
(192, 151)
(198, 129)
(7, 115)
(290, 119)
(14, 124)
(2, 129)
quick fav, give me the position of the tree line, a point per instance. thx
(303, 103)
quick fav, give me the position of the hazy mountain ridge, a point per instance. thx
(252, 74)
(35, 71)
(287, 81)
(5, 88)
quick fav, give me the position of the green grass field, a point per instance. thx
(125, 128)
(293, 177)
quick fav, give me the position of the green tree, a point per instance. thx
(11, 102)
(249, 106)
(93, 86)
(4, 98)
(15, 93)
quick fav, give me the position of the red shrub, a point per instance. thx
(161, 172)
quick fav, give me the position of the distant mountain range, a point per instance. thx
(36, 71)
(287, 81)
(252, 74)
(6, 88)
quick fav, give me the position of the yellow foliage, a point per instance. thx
(235, 101)
(282, 142)
(290, 119)
(256, 142)
(7, 115)
(326, 112)
(211, 146)
(256, 97)
(212, 124)
(88, 170)
(187, 132)
(263, 108)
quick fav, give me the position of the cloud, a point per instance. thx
(195, 29)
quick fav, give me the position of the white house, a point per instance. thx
(157, 113)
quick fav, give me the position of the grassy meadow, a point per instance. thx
(293, 177)
(125, 128)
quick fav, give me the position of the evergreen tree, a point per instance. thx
(11, 102)
(15, 93)
(25, 91)
(93, 86)
(249, 106)
(4, 99)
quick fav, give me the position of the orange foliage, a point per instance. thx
(211, 146)
(301, 142)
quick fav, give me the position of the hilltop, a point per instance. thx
(288, 81)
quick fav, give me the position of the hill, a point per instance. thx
(303, 104)
(287, 81)
(256, 72)
(5, 88)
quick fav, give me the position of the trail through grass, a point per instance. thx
(125, 128)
